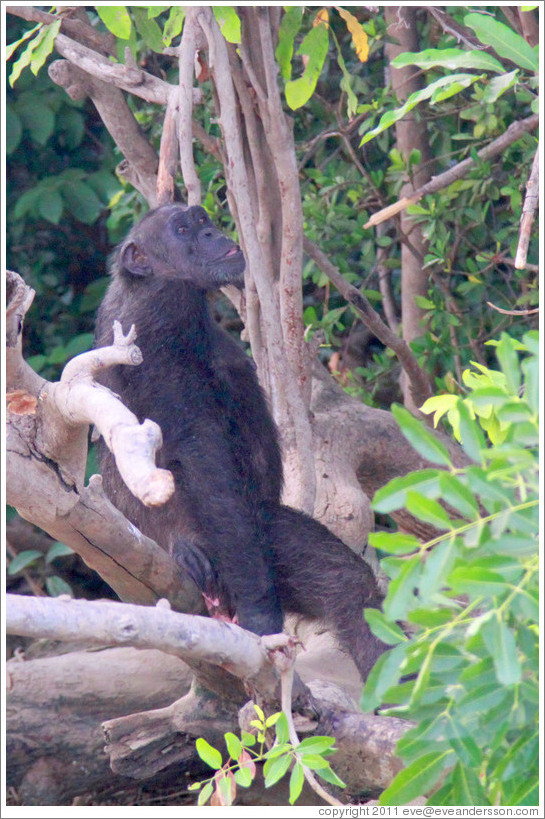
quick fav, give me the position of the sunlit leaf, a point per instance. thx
(422, 439)
(389, 633)
(45, 46)
(229, 23)
(289, 27)
(359, 37)
(505, 42)
(390, 117)
(315, 46)
(417, 777)
(451, 58)
(116, 19)
(208, 754)
(297, 780)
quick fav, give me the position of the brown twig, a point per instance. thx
(461, 33)
(515, 131)
(284, 662)
(168, 153)
(513, 312)
(528, 214)
(420, 386)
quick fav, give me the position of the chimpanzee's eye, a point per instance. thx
(203, 220)
(181, 229)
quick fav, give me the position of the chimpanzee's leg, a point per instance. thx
(318, 576)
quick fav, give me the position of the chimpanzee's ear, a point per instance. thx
(135, 260)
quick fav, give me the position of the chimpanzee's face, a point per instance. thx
(178, 242)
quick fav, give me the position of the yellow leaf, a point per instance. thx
(359, 37)
(474, 279)
(321, 17)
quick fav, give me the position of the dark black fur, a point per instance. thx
(225, 523)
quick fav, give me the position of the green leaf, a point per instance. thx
(315, 745)
(390, 117)
(24, 59)
(330, 776)
(424, 303)
(274, 769)
(23, 560)
(383, 675)
(314, 761)
(396, 543)
(422, 439)
(247, 739)
(389, 633)
(208, 754)
(505, 42)
(466, 787)
(463, 744)
(435, 570)
(458, 496)
(428, 510)
(282, 729)
(243, 777)
(174, 24)
(476, 582)
(527, 792)
(155, 11)
(234, 745)
(501, 643)
(297, 780)
(509, 362)
(12, 47)
(229, 23)
(58, 550)
(148, 29)
(315, 46)
(471, 436)
(205, 794)
(416, 779)
(45, 46)
(260, 713)
(14, 130)
(289, 27)
(498, 86)
(50, 206)
(39, 120)
(116, 19)
(401, 589)
(450, 58)
(56, 586)
(273, 719)
(82, 201)
(394, 495)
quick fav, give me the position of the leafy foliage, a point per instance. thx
(470, 596)
(240, 766)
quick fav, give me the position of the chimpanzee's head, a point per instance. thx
(178, 242)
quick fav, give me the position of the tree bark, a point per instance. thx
(411, 134)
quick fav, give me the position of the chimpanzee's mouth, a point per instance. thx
(233, 251)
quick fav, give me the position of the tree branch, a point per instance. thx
(140, 157)
(184, 635)
(420, 387)
(185, 97)
(531, 202)
(515, 131)
(76, 29)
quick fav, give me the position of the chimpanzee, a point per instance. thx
(224, 524)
